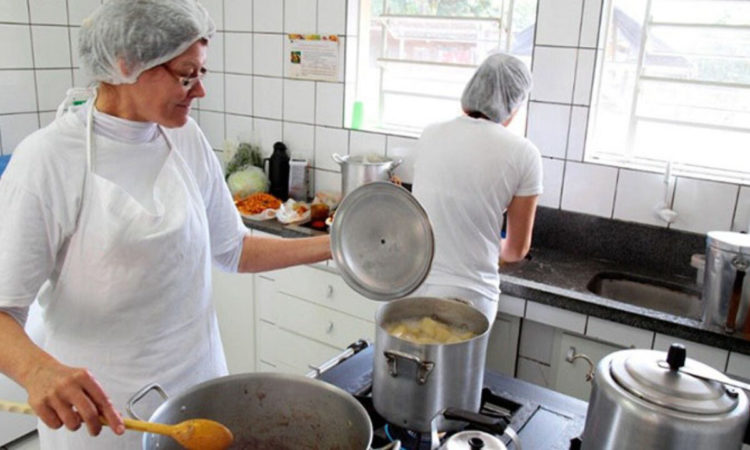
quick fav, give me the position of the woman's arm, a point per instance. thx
(54, 389)
(264, 253)
(519, 227)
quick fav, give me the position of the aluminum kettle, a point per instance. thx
(726, 284)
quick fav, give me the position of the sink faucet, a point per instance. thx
(663, 210)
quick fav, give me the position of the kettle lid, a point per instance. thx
(647, 375)
(473, 440)
(729, 241)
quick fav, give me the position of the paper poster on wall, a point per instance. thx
(313, 57)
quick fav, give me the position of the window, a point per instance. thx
(672, 84)
(414, 57)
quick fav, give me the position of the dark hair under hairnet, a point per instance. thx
(123, 38)
(497, 88)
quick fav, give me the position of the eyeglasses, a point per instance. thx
(187, 83)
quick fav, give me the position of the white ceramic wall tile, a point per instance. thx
(556, 317)
(299, 101)
(514, 306)
(329, 104)
(714, 357)
(80, 78)
(195, 114)
(15, 47)
(52, 86)
(327, 181)
(536, 341)
(584, 77)
(215, 56)
(361, 143)
(703, 206)
(267, 97)
(267, 132)
(742, 214)
(620, 334)
(18, 93)
(404, 149)
(48, 11)
(577, 134)
(547, 128)
(212, 124)
(51, 46)
(239, 98)
(213, 84)
(300, 140)
(80, 9)
(590, 23)
(552, 170)
(327, 142)
(268, 16)
(639, 194)
(239, 53)
(14, 11)
(534, 372)
(739, 365)
(331, 16)
(14, 128)
(46, 118)
(215, 9)
(558, 23)
(553, 72)
(73, 33)
(300, 16)
(238, 15)
(268, 51)
(589, 188)
(240, 128)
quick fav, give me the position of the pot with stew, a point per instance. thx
(429, 356)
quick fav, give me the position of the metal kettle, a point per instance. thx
(726, 284)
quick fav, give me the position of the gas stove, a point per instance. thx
(544, 419)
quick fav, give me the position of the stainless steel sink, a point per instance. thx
(649, 293)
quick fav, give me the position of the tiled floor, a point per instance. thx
(28, 442)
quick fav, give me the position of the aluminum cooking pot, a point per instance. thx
(268, 411)
(412, 383)
(640, 399)
(726, 284)
(357, 170)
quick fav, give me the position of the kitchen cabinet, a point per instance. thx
(233, 300)
(569, 376)
(502, 349)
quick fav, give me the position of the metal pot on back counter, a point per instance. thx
(357, 170)
(382, 243)
(726, 285)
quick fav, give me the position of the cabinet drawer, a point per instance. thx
(289, 352)
(619, 334)
(316, 322)
(326, 289)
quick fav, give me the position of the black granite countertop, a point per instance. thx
(570, 249)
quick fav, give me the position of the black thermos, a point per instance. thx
(278, 171)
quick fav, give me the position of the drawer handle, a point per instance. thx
(330, 327)
(572, 355)
(329, 291)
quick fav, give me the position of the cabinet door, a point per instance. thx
(502, 348)
(570, 377)
(284, 351)
(233, 300)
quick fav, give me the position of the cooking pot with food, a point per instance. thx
(268, 411)
(357, 170)
(437, 363)
(642, 399)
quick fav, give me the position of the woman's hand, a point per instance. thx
(62, 395)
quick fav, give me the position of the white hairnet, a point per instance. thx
(497, 88)
(123, 38)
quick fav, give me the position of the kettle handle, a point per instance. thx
(395, 163)
(739, 296)
(338, 158)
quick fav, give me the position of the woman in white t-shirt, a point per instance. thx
(468, 172)
(117, 211)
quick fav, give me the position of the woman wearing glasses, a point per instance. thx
(114, 215)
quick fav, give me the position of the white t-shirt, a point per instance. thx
(466, 173)
(40, 194)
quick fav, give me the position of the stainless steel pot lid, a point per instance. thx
(382, 241)
(645, 374)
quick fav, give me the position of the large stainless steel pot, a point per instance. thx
(357, 170)
(641, 400)
(269, 411)
(726, 285)
(413, 383)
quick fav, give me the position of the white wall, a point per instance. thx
(249, 96)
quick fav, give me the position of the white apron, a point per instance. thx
(132, 300)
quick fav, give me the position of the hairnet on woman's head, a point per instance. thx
(123, 38)
(497, 88)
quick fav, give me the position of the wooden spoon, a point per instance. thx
(193, 434)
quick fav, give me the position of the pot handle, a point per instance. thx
(395, 163)
(338, 158)
(739, 296)
(395, 445)
(424, 367)
(142, 393)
